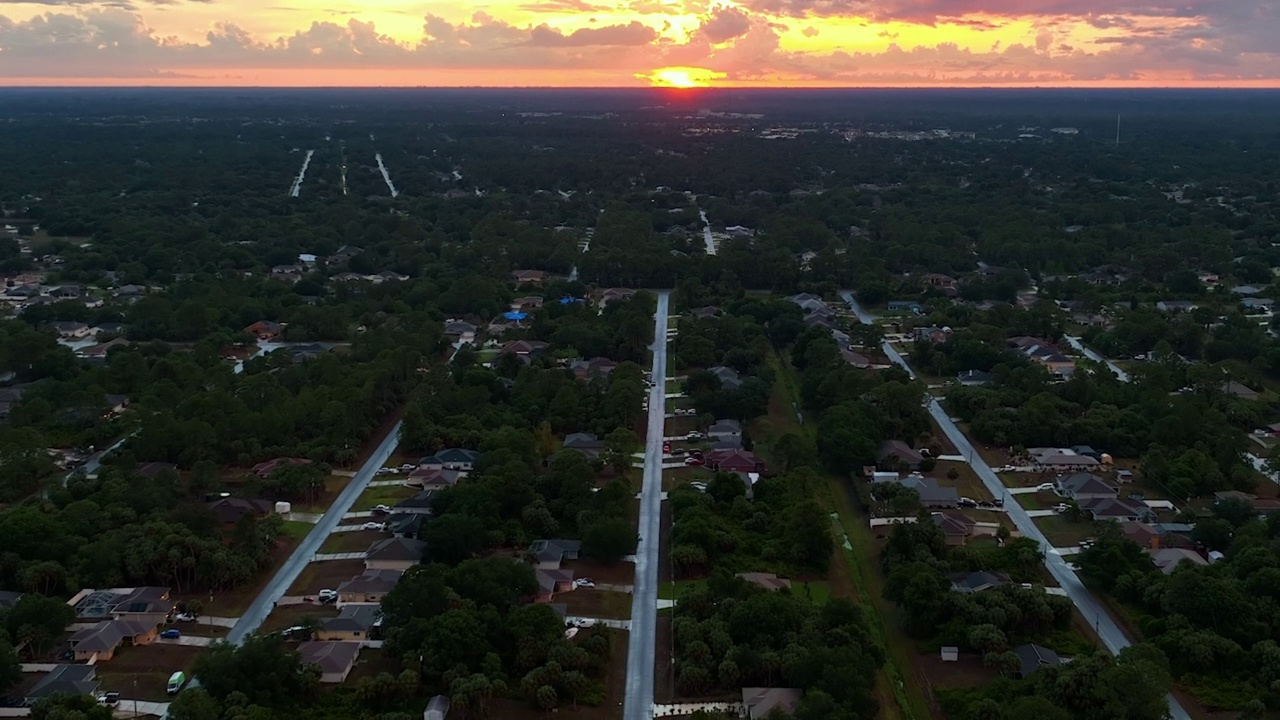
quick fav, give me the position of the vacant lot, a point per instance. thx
(619, 573)
(285, 616)
(610, 708)
(1062, 532)
(596, 603)
(325, 575)
(383, 495)
(1043, 500)
(149, 666)
(358, 541)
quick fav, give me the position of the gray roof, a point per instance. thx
(554, 549)
(929, 491)
(437, 708)
(1085, 483)
(899, 449)
(66, 680)
(761, 701)
(977, 581)
(8, 599)
(1033, 657)
(353, 618)
(330, 657)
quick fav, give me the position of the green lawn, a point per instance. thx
(1062, 532)
(672, 591)
(1038, 500)
(297, 529)
(386, 495)
(819, 591)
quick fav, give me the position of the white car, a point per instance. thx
(373, 526)
(382, 471)
(185, 617)
(584, 583)
(1045, 486)
(1061, 507)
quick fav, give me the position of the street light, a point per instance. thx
(135, 696)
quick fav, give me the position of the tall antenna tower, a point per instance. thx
(1117, 129)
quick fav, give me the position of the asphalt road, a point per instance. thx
(641, 648)
(257, 612)
(1108, 631)
(1094, 356)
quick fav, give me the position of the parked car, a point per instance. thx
(693, 435)
(968, 502)
(327, 596)
(381, 509)
(693, 461)
(986, 504)
(1061, 507)
(185, 617)
(699, 486)
(666, 448)
(407, 467)
(1045, 486)
(678, 452)
(998, 502)
(171, 634)
(695, 453)
(382, 471)
(110, 699)
(584, 583)
(373, 526)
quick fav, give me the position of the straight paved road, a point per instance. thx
(1094, 356)
(1108, 631)
(644, 598)
(275, 589)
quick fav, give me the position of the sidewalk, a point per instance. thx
(321, 557)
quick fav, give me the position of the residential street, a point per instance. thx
(644, 598)
(257, 612)
(1061, 570)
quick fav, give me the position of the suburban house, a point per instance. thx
(1146, 536)
(972, 378)
(1244, 392)
(101, 640)
(130, 291)
(70, 330)
(901, 305)
(1168, 306)
(529, 302)
(1116, 508)
(938, 280)
(956, 528)
(1246, 290)
(64, 680)
(370, 587)
(434, 478)
(1060, 459)
(264, 469)
(451, 459)
(153, 470)
(406, 524)
(735, 461)
(522, 348)
(1033, 657)
(1168, 559)
(935, 335)
(1046, 354)
(552, 581)
(586, 444)
(354, 623)
(394, 553)
(729, 378)
(975, 582)
(343, 254)
(1257, 303)
(265, 330)
(1084, 486)
(8, 599)
(420, 504)
(730, 430)
(597, 367)
(758, 703)
(101, 349)
(893, 453)
(1262, 505)
(140, 604)
(462, 331)
(528, 276)
(931, 494)
(230, 509)
(857, 360)
(608, 295)
(334, 659)
(548, 554)
(705, 312)
(768, 581)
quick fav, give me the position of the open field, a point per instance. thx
(357, 541)
(318, 576)
(585, 602)
(285, 616)
(149, 666)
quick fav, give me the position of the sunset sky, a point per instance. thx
(773, 43)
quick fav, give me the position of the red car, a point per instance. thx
(666, 448)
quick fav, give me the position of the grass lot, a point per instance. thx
(147, 668)
(332, 486)
(286, 616)
(386, 495)
(1063, 533)
(672, 591)
(966, 482)
(328, 574)
(607, 604)
(297, 529)
(1044, 500)
(357, 541)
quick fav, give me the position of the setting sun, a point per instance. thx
(681, 77)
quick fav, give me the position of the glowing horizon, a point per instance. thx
(641, 43)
